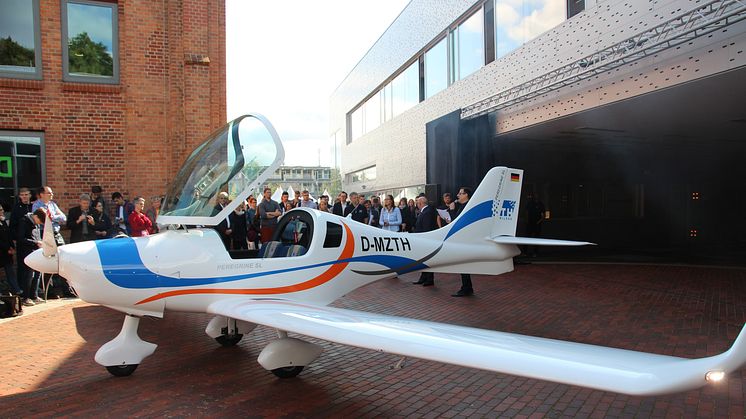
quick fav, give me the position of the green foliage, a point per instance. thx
(335, 183)
(13, 53)
(88, 57)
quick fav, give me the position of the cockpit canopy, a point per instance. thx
(235, 159)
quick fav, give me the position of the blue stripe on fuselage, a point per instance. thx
(479, 212)
(122, 266)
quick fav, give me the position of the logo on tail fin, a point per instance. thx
(503, 209)
(507, 210)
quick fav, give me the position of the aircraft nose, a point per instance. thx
(45, 264)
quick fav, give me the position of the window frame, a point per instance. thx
(42, 149)
(37, 74)
(66, 76)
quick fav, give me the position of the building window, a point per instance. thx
(388, 102)
(469, 43)
(21, 164)
(90, 50)
(574, 7)
(517, 22)
(373, 112)
(364, 175)
(436, 68)
(542, 16)
(406, 89)
(356, 124)
(20, 40)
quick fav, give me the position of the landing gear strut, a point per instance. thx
(286, 357)
(227, 331)
(123, 354)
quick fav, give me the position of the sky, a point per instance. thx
(284, 60)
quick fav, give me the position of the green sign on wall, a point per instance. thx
(6, 170)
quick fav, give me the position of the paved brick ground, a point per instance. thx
(48, 367)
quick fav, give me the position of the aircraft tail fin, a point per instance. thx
(489, 220)
(492, 209)
(492, 213)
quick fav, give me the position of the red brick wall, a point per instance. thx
(131, 137)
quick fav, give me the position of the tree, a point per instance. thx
(13, 53)
(88, 57)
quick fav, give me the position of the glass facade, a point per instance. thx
(90, 39)
(393, 99)
(372, 110)
(357, 129)
(20, 54)
(364, 175)
(406, 89)
(21, 164)
(460, 53)
(469, 42)
(436, 68)
(517, 22)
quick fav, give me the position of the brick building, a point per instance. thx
(110, 93)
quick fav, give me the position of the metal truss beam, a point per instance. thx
(683, 28)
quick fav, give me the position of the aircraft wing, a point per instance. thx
(530, 241)
(603, 368)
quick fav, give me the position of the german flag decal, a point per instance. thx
(515, 177)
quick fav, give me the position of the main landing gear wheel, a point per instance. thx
(122, 370)
(229, 340)
(287, 372)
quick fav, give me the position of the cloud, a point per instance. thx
(523, 21)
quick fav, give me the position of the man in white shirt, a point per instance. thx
(53, 211)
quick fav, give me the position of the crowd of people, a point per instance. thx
(247, 227)
(92, 219)
(252, 224)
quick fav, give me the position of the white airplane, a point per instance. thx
(315, 258)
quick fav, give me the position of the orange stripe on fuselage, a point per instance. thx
(326, 276)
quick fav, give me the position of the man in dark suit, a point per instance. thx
(462, 199)
(426, 221)
(342, 207)
(224, 228)
(80, 221)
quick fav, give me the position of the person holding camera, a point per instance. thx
(122, 211)
(80, 221)
(102, 222)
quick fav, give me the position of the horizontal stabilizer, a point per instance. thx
(530, 241)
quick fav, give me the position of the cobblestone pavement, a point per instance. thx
(48, 367)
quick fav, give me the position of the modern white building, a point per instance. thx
(623, 113)
(315, 179)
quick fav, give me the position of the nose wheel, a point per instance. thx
(287, 372)
(123, 354)
(122, 370)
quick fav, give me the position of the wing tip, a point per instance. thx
(737, 353)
